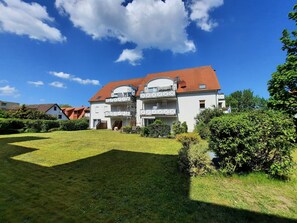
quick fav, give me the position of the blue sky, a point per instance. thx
(64, 51)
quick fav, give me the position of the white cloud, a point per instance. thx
(147, 23)
(29, 19)
(8, 91)
(74, 78)
(3, 81)
(200, 13)
(60, 74)
(36, 83)
(132, 56)
(57, 84)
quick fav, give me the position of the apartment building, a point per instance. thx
(168, 96)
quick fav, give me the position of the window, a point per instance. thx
(220, 104)
(202, 104)
(97, 109)
(55, 108)
(59, 116)
(202, 86)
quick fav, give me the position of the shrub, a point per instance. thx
(144, 132)
(195, 160)
(127, 129)
(49, 124)
(254, 141)
(73, 125)
(8, 126)
(203, 130)
(33, 125)
(158, 130)
(208, 114)
(178, 127)
(188, 138)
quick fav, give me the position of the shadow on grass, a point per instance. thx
(116, 186)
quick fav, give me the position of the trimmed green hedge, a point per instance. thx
(8, 126)
(254, 141)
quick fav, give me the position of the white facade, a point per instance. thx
(57, 112)
(159, 100)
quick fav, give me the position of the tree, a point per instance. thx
(245, 100)
(65, 106)
(283, 85)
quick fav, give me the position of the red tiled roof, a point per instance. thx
(105, 91)
(189, 81)
(76, 113)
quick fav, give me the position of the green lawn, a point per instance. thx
(104, 176)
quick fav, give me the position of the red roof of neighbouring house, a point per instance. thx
(188, 81)
(76, 113)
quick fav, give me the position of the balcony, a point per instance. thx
(118, 100)
(118, 114)
(221, 97)
(160, 94)
(158, 112)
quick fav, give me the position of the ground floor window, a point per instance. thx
(202, 104)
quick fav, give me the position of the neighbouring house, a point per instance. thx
(6, 105)
(49, 109)
(77, 113)
(168, 96)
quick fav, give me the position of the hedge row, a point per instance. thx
(8, 126)
(254, 141)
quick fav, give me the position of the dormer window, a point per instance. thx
(202, 86)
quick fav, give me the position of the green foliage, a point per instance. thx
(156, 129)
(186, 139)
(144, 132)
(283, 85)
(178, 127)
(48, 125)
(195, 160)
(202, 120)
(4, 114)
(254, 141)
(203, 130)
(73, 125)
(127, 129)
(245, 101)
(8, 126)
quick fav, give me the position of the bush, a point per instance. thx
(33, 125)
(203, 130)
(188, 138)
(127, 129)
(203, 119)
(195, 160)
(144, 132)
(254, 141)
(178, 127)
(73, 125)
(158, 130)
(49, 124)
(8, 126)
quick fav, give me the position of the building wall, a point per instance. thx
(188, 106)
(139, 106)
(56, 113)
(97, 112)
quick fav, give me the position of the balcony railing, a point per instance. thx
(118, 100)
(221, 96)
(160, 94)
(158, 112)
(118, 114)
